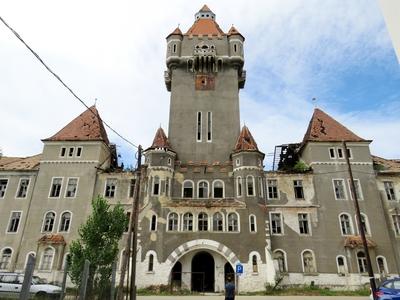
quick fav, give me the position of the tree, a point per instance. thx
(98, 242)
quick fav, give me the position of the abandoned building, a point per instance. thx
(206, 202)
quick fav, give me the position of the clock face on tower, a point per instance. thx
(205, 82)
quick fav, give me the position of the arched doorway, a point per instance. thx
(203, 272)
(176, 275)
(228, 271)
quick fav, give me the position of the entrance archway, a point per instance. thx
(203, 267)
(228, 271)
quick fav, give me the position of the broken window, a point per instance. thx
(173, 222)
(3, 187)
(187, 189)
(341, 264)
(203, 189)
(338, 185)
(14, 221)
(218, 189)
(23, 188)
(272, 188)
(358, 191)
(218, 223)
(389, 189)
(250, 185)
(396, 223)
(345, 224)
(156, 185)
(239, 186)
(48, 222)
(260, 187)
(71, 151)
(72, 186)
(111, 186)
(233, 222)
(298, 189)
(5, 259)
(303, 224)
(364, 223)
(362, 262)
(65, 222)
(187, 222)
(56, 187)
(276, 223)
(381, 262)
(203, 222)
(279, 256)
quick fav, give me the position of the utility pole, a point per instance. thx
(135, 216)
(360, 227)
(132, 234)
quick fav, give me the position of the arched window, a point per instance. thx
(151, 263)
(48, 223)
(260, 187)
(187, 189)
(153, 224)
(252, 223)
(341, 265)
(47, 259)
(345, 224)
(218, 222)
(254, 263)
(250, 185)
(233, 222)
(173, 222)
(156, 185)
(187, 222)
(365, 224)
(239, 186)
(203, 222)
(308, 262)
(362, 262)
(218, 189)
(280, 258)
(382, 266)
(5, 258)
(203, 189)
(65, 222)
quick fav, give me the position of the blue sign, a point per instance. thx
(239, 269)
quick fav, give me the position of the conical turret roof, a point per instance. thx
(88, 126)
(177, 31)
(245, 141)
(160, 140)
(234, 31)
(323, 128)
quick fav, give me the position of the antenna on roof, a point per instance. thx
(179, 24)
(95, 101)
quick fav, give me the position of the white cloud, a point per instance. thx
(115, 51)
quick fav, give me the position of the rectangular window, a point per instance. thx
(389, 189)
(272, 188)
(338, 186)
(167, 183)
(396, 223)
(209, 126)
(23, 188)
(358, 190)
(3, 187)
(298, 189)
(349, 155)
(276, 223)
(132, 183)
(14, 221)
(72, 186)
(332, 153)
(78, 151)
(340, 153)
(198, 136)
(55, 189)
(260, 187)
(71, 151)
(303, 224)
(63, 151)
(111, 186)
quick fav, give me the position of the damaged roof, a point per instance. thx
(245, 141)
(387, 165)
(323, 128)
(20, 163)
(160, 140)
(88, 126)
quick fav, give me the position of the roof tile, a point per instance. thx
(205, 27)
(161, 140)
(245, 141)
(20, 163)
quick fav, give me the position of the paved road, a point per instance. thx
(251, 298)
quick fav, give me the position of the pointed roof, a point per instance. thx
(234, 31)
(161, 140)
(205, 8)
(88, 126)
(323, 128)
(177, 31)
(205, 27)
(245, 141)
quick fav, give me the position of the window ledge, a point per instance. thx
(311, 274)
(150, 272)
(254, 274)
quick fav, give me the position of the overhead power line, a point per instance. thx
(62, 82)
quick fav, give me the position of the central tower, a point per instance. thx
(204, 75)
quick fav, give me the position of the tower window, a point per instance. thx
(250, 185)
(174, 48)
(55, 190)
(153, 225)
(151, 263)
(253, 227)
(239, 186)
(235, 47)
(209, 126)
(156, 186)
(199, 126)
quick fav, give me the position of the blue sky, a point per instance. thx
(336, 51)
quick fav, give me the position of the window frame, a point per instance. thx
(297, 185)
(396, 224)
(350, 224)
(9, 222)
(80, 150)
(209, 127)
(42, 259)
(239, 186)
(174, 227)
(44, 221)
(385, 266)
(76, 188)
(213, 188)
(344, 189)
(364, 262)
(153, 222)
(346, 269)
(272, 187)
(393, 196)
(332, 150)
(303, 261)
(61, 219)
(237, 222)
(284, 260)
(205, 220)
(357, 183)
(19, 187)
(183, 188)
(222, 219)
(308, 223)
(10, 257)
(63, 149)
(252, 221)
(5, 187)
(189, 227)
(198, 189)
(271, 213)
(367, 225)
(199, 126)
(253, 186)
(156, 182)
(115, 187)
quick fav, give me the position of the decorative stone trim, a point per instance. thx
(69, 161)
